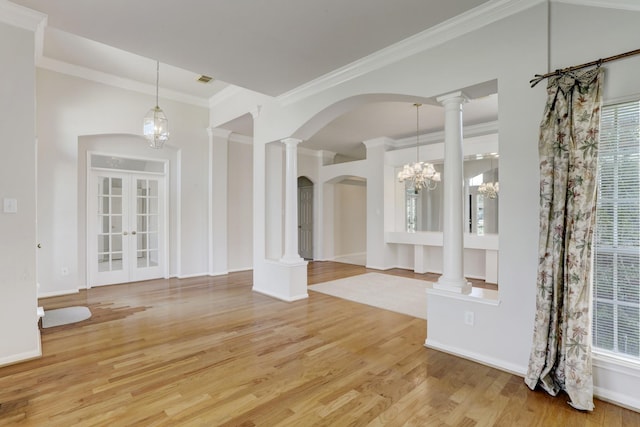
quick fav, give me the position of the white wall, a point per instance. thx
(70, 107)
(510, 51)
(19, 334)
(350, 219)
(240, 206)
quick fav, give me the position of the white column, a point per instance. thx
(291, 255)
(218, 149)
(453, 278)
(380, 177)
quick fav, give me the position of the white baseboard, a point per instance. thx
(188, 276)
(57, 293)
(622, 374)
(280, 297)
(626, 401)
(480, 358)
(238, 270)
(218, 273)
(23, 357)
(358, 258)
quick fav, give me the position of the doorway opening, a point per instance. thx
(305, 218)
(126, 208)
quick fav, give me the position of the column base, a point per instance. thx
(292, 260)
(459, 286)
(284, 281)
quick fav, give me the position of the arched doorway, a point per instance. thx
(305, 218)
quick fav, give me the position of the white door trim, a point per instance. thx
(165, 180)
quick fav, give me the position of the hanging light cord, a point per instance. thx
(417, 131)
(157, 80)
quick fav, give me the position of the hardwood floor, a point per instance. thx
(208, 351)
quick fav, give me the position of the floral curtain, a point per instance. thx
(561, 353)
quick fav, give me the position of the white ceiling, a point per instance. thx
(266, 46)
(270, 47)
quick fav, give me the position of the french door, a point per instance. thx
(126, 232)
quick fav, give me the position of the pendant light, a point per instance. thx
(419, 175)
(156, 125)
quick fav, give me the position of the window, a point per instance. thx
(616, 278)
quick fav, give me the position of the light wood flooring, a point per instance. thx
(208, 351)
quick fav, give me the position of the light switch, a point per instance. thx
(10, 205)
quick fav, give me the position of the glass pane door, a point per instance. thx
(147, 223)
(125, 239)
(110, 220)
(147, 211)
(108, 224)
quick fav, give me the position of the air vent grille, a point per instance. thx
(204, 79)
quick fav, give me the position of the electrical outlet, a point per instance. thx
(65, 271)
(469, 318)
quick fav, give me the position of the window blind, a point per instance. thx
(616, 268)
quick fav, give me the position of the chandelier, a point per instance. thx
(489, 189)
(156, 125)
(419, 175)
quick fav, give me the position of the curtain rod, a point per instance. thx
(538, 77)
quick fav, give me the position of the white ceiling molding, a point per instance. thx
(240, 139)
(225, 94)
(119, 82)
(633, 5)
(308, 152)
(436, 137)
(20, 16)
(464, 23)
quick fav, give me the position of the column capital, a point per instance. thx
(255, 113)
(218, 133)
(457, 97)
(382, 141)
(291, 141)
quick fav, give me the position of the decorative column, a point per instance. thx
(218, 149)
(291, 255)
(453, 278)
(380, 255)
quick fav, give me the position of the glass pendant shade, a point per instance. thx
(156, 127)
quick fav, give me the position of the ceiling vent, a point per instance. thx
(204, 79)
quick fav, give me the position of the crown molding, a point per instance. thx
(435, 137)
(632, 5)
(219, 133)
(382, 141)
(307, 152)
(20, 16)
(226, 93)
(474, 19)
(240, 139)
(119, 82)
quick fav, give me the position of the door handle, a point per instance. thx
(133, 232)
(124, 233)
